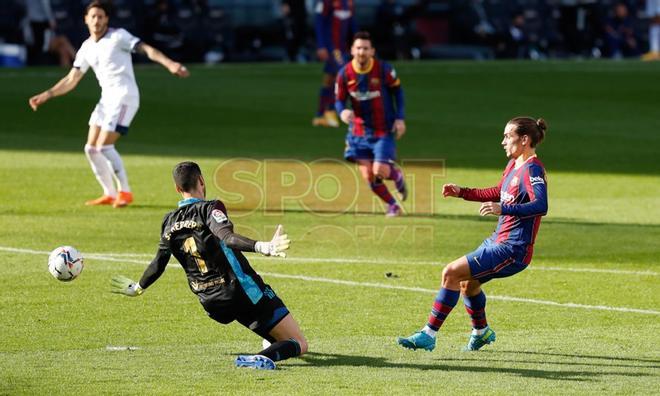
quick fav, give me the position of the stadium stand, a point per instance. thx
(255, 30)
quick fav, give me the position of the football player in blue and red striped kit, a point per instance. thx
(375, 120)
(520, 200)
(334, 23)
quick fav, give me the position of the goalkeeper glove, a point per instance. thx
(276, 246)
(123, 285)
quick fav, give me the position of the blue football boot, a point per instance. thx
(258, 362)
(419, 340)
(478, 341)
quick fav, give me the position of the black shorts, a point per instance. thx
(260, 317)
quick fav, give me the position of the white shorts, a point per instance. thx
(653, 8)
(113, 117)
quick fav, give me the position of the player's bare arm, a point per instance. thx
(155, 55)
(62, 87)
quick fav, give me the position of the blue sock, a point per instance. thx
(476, 308)
(445, 301)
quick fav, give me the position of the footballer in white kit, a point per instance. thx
(110, 58)
(108, 52)
(653, 12)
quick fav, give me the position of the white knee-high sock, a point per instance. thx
(101, 169)
(654, 37)
(113, 156)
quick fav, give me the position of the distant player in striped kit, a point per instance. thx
(334, 24)
(375, 119)
(520, 200)
(108, 52)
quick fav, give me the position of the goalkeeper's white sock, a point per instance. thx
(101, 169)
(114, 158)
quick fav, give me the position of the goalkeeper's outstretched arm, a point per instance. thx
(155, 268)
(220, 225)
(126, 286)
(275, 247)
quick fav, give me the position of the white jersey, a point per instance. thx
(110, 58)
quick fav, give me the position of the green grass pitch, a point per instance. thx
(583, 319)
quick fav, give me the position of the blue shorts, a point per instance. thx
(370, 148)
(332, 65)
(495, 260)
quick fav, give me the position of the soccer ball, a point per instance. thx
(65, 263)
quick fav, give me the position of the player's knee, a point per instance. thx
(470, 288)
(465, 287)
(449, 275)
(381, 172)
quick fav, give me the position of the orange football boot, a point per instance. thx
(103, 200)
(123, 199)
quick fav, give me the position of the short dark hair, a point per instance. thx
(532, 127)
(104, 5)
(363, 35)
(186, 174)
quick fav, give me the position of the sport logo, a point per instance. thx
(218, 216)
(536, 180)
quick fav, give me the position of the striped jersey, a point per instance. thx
(375, 94)
(522, 192)
(334, 24)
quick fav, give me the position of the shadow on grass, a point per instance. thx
(642, 363)
(451, 365)
(462, 217)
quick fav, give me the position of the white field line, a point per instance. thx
(103, 257)
(290, 260)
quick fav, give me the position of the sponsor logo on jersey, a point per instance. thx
(506, 197)
(375, 81)
(201, 286)
(362, 96)
(536, 180)
(342, 14)
(218, 216)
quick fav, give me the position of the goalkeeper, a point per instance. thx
(201, 237)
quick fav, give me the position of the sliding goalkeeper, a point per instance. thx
(201, 237)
